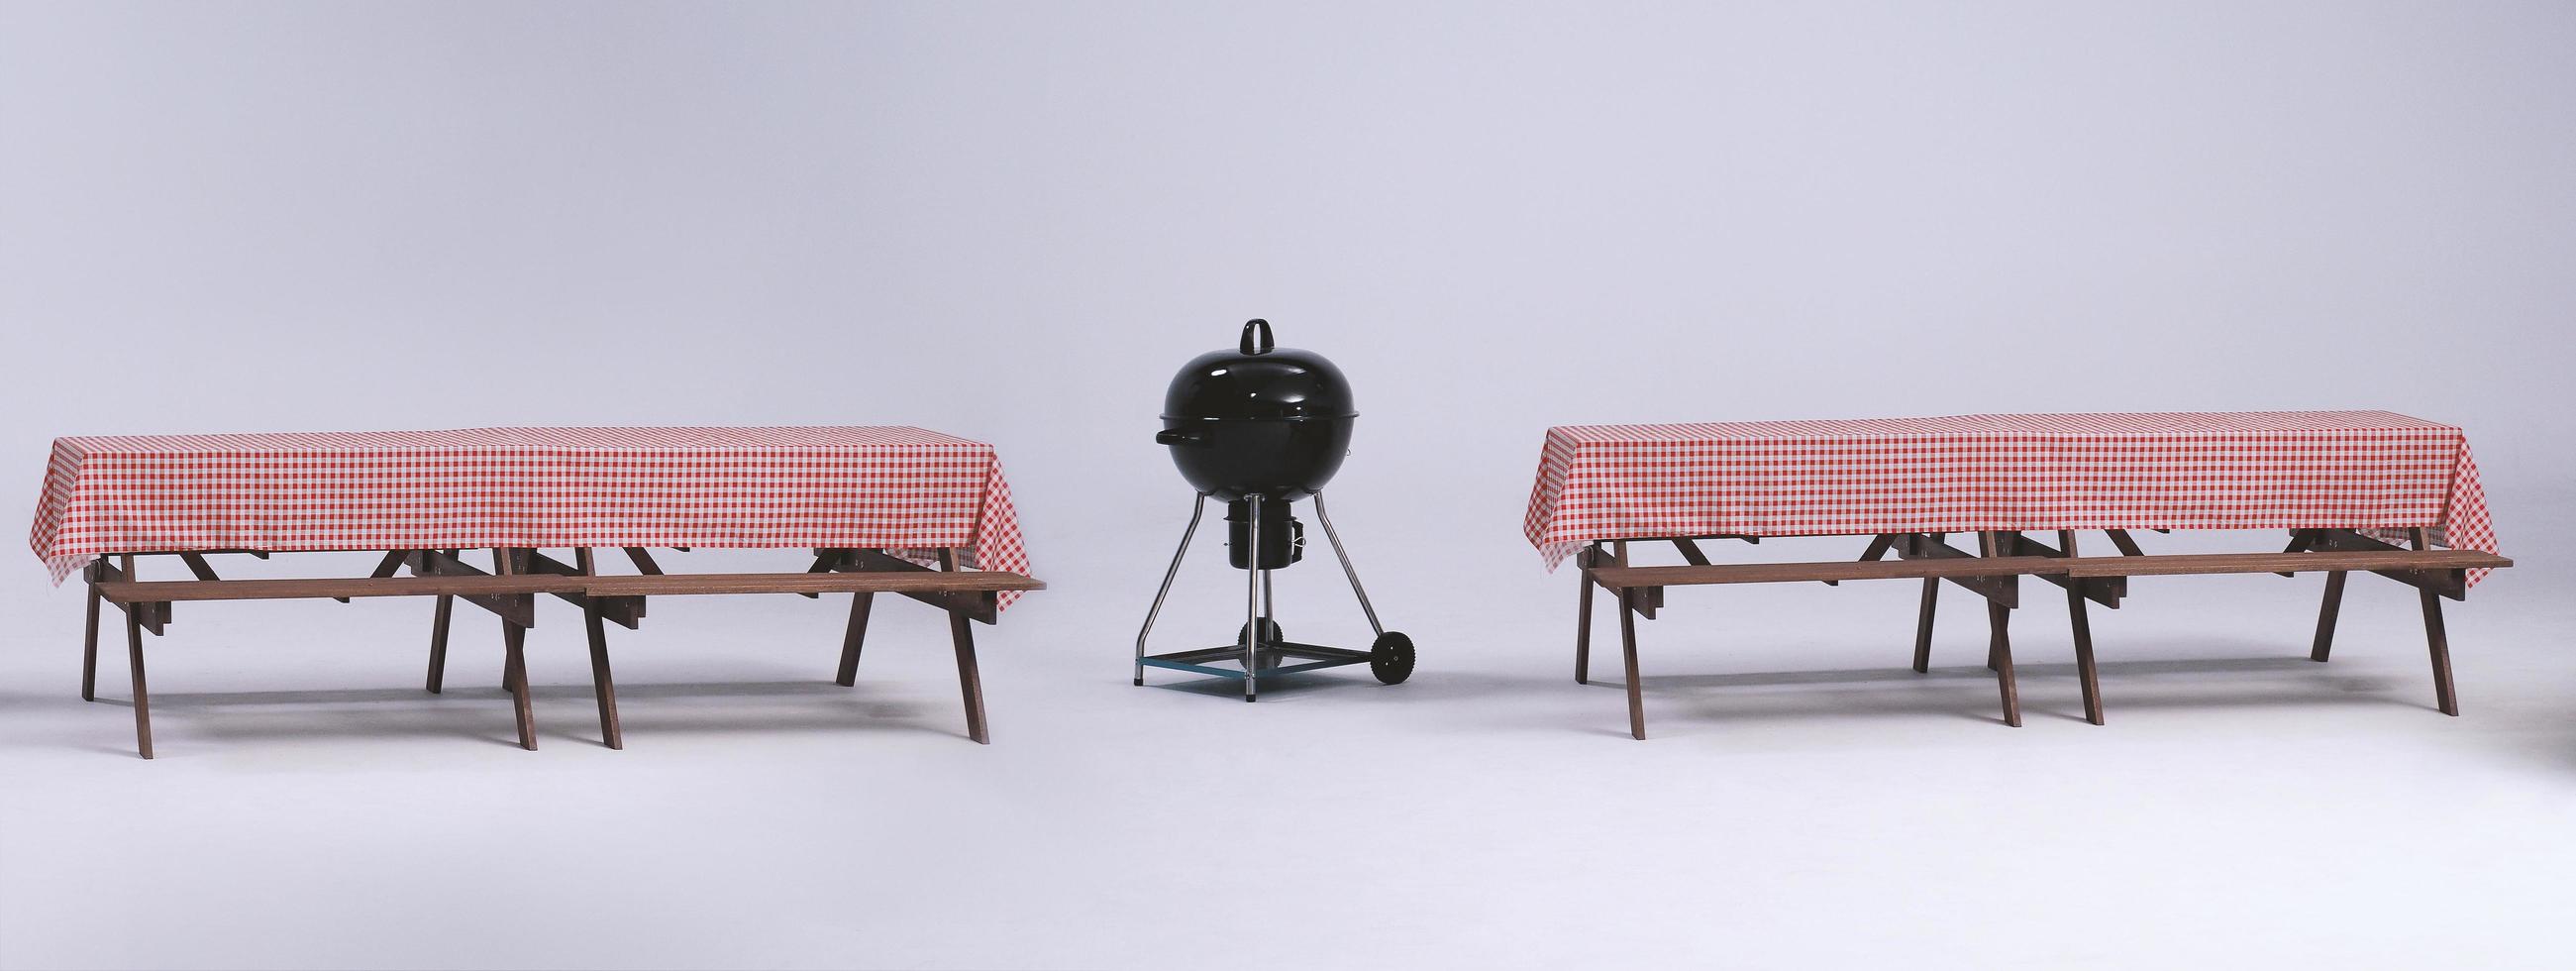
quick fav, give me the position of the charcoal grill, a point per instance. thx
(1259, 428)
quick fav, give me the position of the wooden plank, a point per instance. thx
(1929, 546)
(1616, 554)
(975, 605)
(2106, 591)
(520, 609)
(2128, 547)
(2449, 583)
(154, 616)
(1623, 577)
(626, 612)
(165, 591)
(2221, 563)
(197, 564)
(926, 581)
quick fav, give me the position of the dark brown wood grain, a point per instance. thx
(164, 591)
(2223, 563)
(1622, 577)
(670, 584)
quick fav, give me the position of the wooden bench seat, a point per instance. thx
(927, 581)
(2216, 563)
(920, 581)
(1626, 577)
(165, 591)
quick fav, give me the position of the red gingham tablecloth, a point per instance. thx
(866, 487)
(2371, 470)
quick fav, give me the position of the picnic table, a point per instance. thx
(2358, 491)
(879, 509)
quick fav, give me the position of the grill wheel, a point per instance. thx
(1391, 658)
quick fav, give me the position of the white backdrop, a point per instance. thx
(1013, 221)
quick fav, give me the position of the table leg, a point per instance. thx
(2079, 616)
(2441, 645)
(2435, 637)
(1923, 625)
(1583, 621)
(1991, 544)
(514, 670)
(969, 683)
(2088, 677)
(89, 641)
(134, 662)
(514, 660)
(438, 618)
(860, 604)
(1628, 653)
(2326, 617)
(1999, 649)
(602, 686)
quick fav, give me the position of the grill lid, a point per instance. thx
(1258, 381)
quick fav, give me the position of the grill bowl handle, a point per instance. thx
(1180, 436)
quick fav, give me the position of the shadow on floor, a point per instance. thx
(483, 712)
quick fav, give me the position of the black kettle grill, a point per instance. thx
(1260, 427)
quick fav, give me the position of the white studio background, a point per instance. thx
(1014, 221)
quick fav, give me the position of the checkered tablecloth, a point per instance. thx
(2369, 470)
(863, 487)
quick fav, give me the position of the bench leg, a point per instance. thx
(602, 686)
(1923, 625)
(1999, 652)
(134, 663)
(860, 604)
(969, 682)
(2435, 637)
(438, 641)
(1582, 631)
(2326, 617)
(1628, 653)
(89, 644)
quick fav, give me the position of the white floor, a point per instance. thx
(1804, 799)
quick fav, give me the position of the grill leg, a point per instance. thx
(134, 663)
(2326, 617)
(1923, 625)
(1197, 509)
(1628, 654)
(1583, 621)
(438, 641)
(602, 685)
(860, 604)
(1252, 602)
(89, 641)
(1353, 575)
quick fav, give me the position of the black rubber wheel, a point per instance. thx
(1270, 634)
(1391, 658)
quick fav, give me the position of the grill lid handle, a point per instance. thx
(1266, 342)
